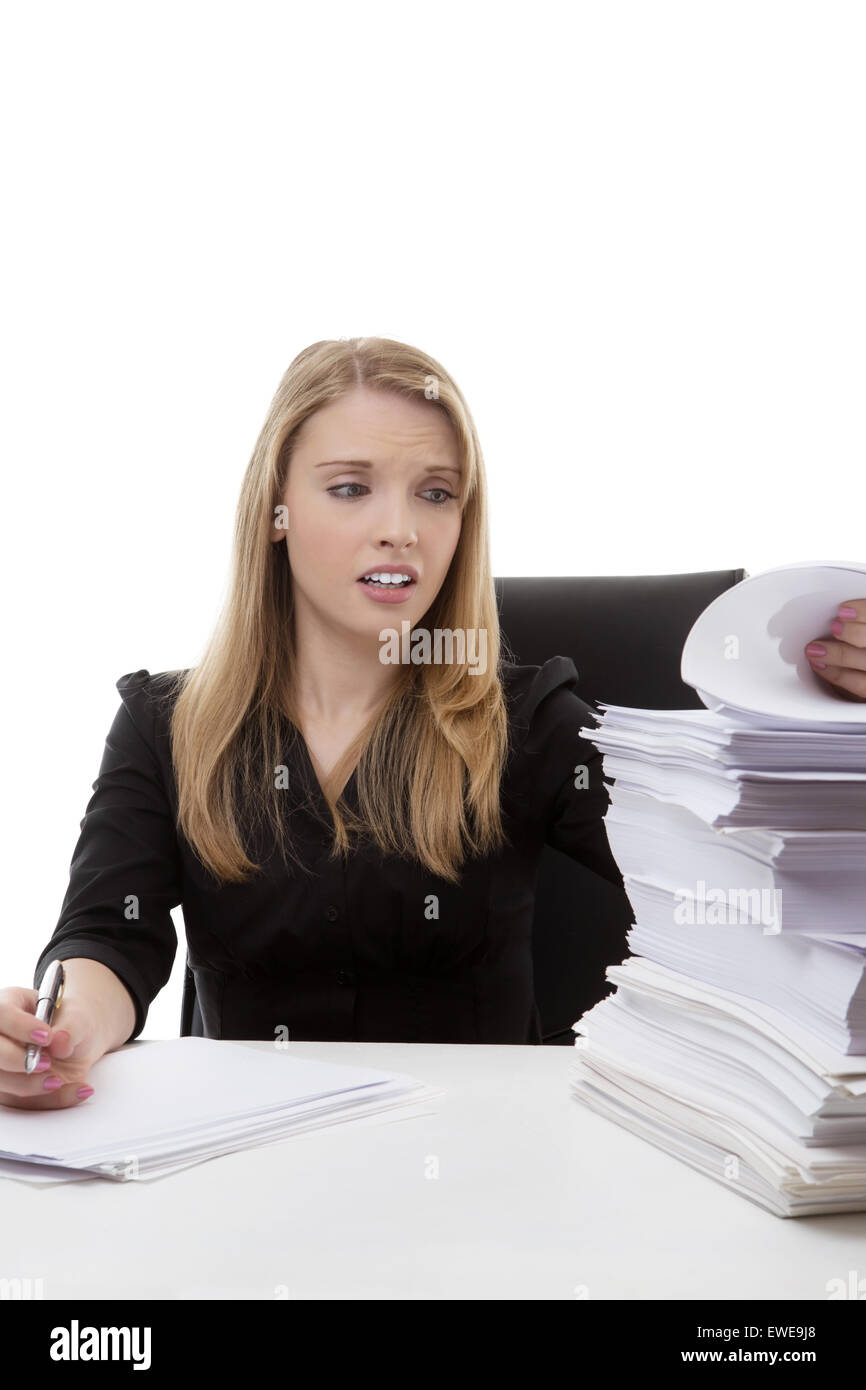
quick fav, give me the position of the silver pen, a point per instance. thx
(50, 992)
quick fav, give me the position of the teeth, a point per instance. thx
(388, 578)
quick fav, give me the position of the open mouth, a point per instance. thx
(387, 582)
(389, 586)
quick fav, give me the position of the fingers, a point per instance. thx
(20, 1029)
(61, 1044)
(17, 1016)
(852, 611)
(837, 654)
(850, 626)
(27, 1089)
(12, 1054)
(55, 1083)
(842, 662)
(12, 1057)
(851, 632)
(845, 679)
(50, 1077)
(61, 1099)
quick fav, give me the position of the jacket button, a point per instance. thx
(332, 913)
(345, 977)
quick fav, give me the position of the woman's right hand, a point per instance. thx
(71, 1051)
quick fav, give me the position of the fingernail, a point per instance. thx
(846, 612)
(84, 1091)
(836, 628)
(52, 1083)
(39, 1035)
(42, 1065)
(820, 665)
(816, 649)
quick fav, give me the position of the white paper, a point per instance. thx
(159, 1106)
(745, 653)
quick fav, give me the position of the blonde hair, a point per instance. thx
(429, 762)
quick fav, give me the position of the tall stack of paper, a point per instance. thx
(736, 1036)
(163, 1106)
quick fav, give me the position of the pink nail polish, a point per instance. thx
(821, 665)
(846, 612)
(42, 1065)
(39, 1035)
(836, 628)
(52, 1083)
(84, 1091)
(816, 649)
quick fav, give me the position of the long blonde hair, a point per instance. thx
(429, 763)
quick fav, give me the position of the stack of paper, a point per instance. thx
(162, 1106)
(736, 1038)
(729, 782)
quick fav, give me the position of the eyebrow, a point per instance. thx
(366, 463)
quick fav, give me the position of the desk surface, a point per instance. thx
(505, 1188)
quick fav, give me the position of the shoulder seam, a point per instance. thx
(557, 671)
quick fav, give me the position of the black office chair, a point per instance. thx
(625, 635)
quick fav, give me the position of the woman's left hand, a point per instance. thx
(843, 663)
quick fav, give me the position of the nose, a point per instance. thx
(394, 524)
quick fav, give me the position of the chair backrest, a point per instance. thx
(625, 635)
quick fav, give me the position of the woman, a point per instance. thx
(350, 793)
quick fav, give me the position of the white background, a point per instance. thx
(634, 232)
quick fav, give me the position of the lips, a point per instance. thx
(390, 593)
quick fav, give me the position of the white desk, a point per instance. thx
(535, 1197)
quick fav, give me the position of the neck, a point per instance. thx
(337, 680)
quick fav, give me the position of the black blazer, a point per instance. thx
(378, 949)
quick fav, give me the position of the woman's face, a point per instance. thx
(373, 484)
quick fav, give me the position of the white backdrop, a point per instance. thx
(634, 232)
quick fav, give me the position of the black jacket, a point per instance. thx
(379, 950)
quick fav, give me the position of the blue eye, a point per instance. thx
(340, 486)
(338, 491)
(445, 497)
